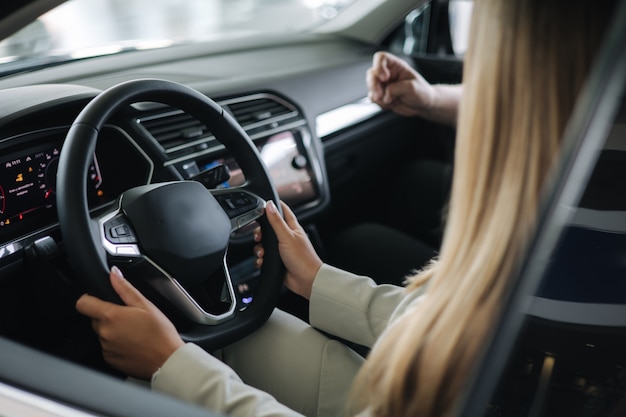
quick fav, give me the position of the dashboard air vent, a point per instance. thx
(175, 130)
(260, 115)
(260, 109)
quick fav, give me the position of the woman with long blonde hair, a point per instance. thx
(525, 66)
(523, 71)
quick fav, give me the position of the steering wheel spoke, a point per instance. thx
(117, 235)
(123, 248)
(212, 306)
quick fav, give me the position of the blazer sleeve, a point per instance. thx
(353, 307)
(193, 375)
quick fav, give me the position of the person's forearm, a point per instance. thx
(445, 109)
(352, 307)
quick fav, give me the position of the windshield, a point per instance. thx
(86, 28)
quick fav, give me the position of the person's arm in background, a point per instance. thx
(394, 85)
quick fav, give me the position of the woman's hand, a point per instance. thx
(296, 250)
(136, 338)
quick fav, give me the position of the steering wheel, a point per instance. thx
(171, 237)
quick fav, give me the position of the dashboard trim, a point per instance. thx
(345, 116)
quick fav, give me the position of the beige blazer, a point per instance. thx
(289, 367)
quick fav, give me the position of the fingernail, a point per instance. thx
(116, 271)
(271, 207)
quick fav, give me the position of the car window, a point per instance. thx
(439, 28)
(460, 13)
(84, 28)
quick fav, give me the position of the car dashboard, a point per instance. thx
(293, 114)
(150, 142)
(145, 143)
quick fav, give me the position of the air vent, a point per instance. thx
(177, 130)
(260, 115)
(260, 109)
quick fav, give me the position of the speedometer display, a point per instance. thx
(28, 183)
(20, 181)
(28, 171)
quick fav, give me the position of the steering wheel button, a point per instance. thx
(127, 250)
(247, 218)
(229, 202)
(119, 231)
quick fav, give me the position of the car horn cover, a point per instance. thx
(181, 227)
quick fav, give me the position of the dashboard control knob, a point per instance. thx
(299, 162)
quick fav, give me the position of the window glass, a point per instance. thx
(425, 32)
(84, 28)
(460, 12)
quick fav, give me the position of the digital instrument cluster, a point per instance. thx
(28, 177)
(28, 184)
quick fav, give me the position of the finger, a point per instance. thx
(397, 92)
(91, 306)
(394, 92)
(373, 85)
(381, 66)
(387, 97)
(259, 251)
(257, 234)
(127, 292)
(279, 225)
(290, 217)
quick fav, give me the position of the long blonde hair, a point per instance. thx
(526, 63)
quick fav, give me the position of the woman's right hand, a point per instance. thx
(296, 250)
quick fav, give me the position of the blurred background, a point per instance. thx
(80, 28)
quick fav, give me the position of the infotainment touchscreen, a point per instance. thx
(290, 169)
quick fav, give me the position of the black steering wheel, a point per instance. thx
(171, 237)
